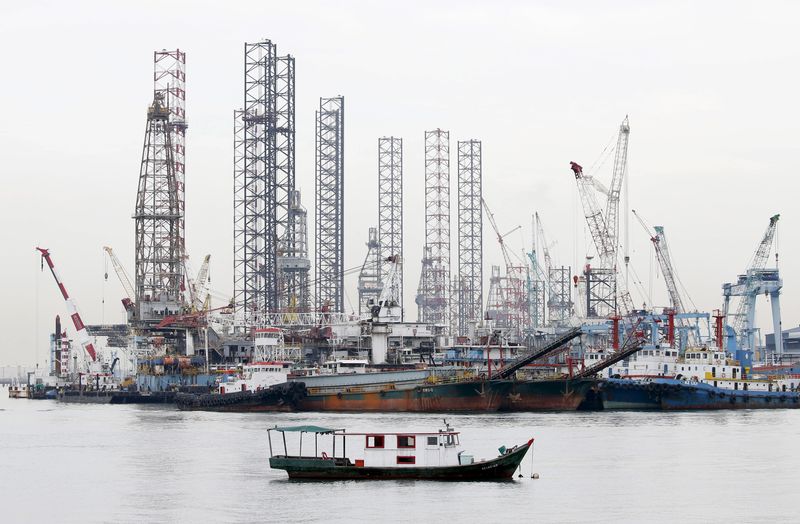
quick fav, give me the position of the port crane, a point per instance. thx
(512, 285)
(659, 240)
(202, 286)
(604, 223)
(72, 308)
(123, 277)
(756, 280)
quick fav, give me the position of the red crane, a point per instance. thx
(72, 309)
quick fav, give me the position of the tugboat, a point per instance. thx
(390, 456)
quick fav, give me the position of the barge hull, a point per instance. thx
(548, 395)
(469, 396)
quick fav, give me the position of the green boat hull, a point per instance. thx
(312, 468)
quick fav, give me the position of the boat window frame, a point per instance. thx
(375, 436)
(407, 436)
(406, 459)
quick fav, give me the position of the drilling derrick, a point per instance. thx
(470, 235)
(295, 264)
(370, 280)
(330, 205)
(159, 250)
(433, 298)
(425, 283)
(496, 302)
(390, 206)
(169, 79)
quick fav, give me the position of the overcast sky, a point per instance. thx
(711, 89)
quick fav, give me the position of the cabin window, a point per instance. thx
(406, 441)
(375, 441)
(432, 441)
(406, 460)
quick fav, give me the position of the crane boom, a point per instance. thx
(664, 260)
(72, 308)
(620, 165)
(201, 285)
(122, 275)
(500, 236)
(548, 261)
(594, 216)
(759, 261)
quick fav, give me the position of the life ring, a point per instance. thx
(324, 456)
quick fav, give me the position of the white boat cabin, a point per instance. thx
(707, 365)
(344, 366)
(410, 449)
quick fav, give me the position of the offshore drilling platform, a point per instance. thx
(536, 317)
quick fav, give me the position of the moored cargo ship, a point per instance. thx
(673, 394)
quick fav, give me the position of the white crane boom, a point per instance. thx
(759, 261)
(122, 275)
(620, 165)
(202, 288)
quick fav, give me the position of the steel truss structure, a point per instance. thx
(390, 205)
(470, 234)
(601, 291)
(370, 278)
(434, 296)
(159, 250)
(169, 80)
(329, 284)
(267, 275)
(559, 301)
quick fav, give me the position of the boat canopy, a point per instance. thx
(304, 429)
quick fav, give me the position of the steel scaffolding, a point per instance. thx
(159, 250)
(330, 205)
(433, 297)
(470, 234)
(169, 79)
(370, 278)
(390, 205)
(559, 301)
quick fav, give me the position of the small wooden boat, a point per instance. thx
(387, 456)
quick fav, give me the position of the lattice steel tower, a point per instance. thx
(437, 227)
(370, 281)
(470, 234)
(390, 205)
(329, 288)
(169, 79)
(293, 263)
(267, 273)
(238, 213)
(159, 250)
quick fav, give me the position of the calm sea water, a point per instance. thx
(83, 463)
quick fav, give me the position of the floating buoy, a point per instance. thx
(535, 476)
